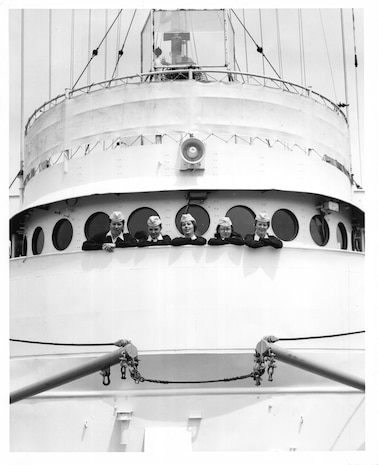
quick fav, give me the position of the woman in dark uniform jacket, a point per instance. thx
(188, 228)
(155, 236)
(115, 237)
(225, 234)
(261, 238)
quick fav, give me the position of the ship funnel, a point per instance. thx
(192, 153)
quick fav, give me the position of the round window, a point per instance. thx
(137, 222)
(38, 240)
(96, 224)
(199, 214)
(319, 230)
(285, 225)
(62, 234)
(342, 237)
(243, 219)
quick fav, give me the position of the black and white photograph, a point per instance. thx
(225, 151)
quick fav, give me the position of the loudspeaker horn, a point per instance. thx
(192, 151)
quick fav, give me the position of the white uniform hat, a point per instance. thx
(263, 218)
(225, 221)
(153, 221)
(187, 217)
(116, 216)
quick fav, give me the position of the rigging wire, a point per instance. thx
(61, 343)
(261, 38)
(279, 44)
(318, 337)
(89, 44)
(72, 47)
(193, 36)
(50, 21)
(106, 45)
(357, 98)
(20, 173)
(245, 42)
(120, 52)
(112, 343)
(259, 49)
(118, 38)
(301, 50)
(344, 63)
(95, 51)
(329, 60)
(22, 90)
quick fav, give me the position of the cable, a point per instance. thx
(112, 343)
(61, 343)
(259, 49)
(72, 61)
(120, 52)
(279, 44)
(357, 97)
(89, 44)
(95, 51)
(262, 45)
(301, 50)
(235, 378)
(245, 42)
(329, 60)
(20, 173)
(317, 337)
(193, 37)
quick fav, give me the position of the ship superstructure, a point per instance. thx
(189, 133)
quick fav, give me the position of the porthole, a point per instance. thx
(319, 230)
(38, 240)
(62, 234)
(96, 224)
(199, 214)
(342, 237)
(137, 222)
(243, 219)
(285, 225)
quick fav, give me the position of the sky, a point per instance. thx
(49, 69)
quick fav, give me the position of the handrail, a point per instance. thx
(139, 78)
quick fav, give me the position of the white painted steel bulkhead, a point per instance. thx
(255, 137)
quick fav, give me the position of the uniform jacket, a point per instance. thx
(234, 239)
(95, 242)
(255, 242)
(166, 240)
(187, 241)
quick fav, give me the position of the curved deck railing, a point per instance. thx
(197, 73)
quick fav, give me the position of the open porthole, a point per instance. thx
(319, 230)
(38, 240)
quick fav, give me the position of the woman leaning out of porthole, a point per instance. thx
(188, 227)
(155, 236)
(261, 238)
(225, 234)
(115, 237)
